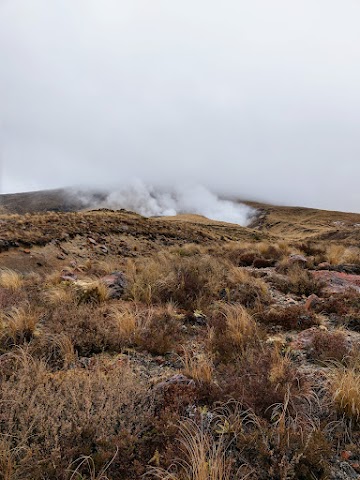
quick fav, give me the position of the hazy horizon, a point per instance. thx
(258, 100)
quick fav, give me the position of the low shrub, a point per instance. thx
(53, 419)
(198, 367)
(327, 345)
(293, 317)
(160, 331)
(298, 281)
(193, 283)
(91, 328)
(261, 379)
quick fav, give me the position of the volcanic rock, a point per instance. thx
(116, 284)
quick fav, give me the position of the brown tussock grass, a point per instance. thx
(198, 367)
(204, 457)
(232, 331)
(344, 384)
(91, 291)
(190, 282)
(59, 294)
(18, 326)
(338, 254)
(128, 322)
(240, 324)
(10, 279)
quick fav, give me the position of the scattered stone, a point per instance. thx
(60, 256)
(348, 471)
(91, 240)
(324, 266)
(27, 251)
(104, 248)
(296, 259)
(68, 276)
(178, 379)
(116, 284)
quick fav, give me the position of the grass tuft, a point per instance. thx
(10, 279)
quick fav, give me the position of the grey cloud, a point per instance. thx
(256, 99)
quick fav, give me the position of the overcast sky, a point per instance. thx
(256, 98)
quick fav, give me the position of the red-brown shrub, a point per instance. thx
(260, 380)
(327, 345)
(294, 317)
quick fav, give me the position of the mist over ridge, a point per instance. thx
(257, 100)
(151, 201)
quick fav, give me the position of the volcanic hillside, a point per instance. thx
(179, 348)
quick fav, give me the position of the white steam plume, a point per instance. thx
(196, 199)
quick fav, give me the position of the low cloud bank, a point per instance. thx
(196, 199)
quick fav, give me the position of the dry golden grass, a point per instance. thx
(86, 464)
(338, 254)
(199, 367)
(204, 457)
(53, 278)
(345, 391)
(190, 282)
(91, 290)
(232, 331)
(335, 254)
(10, 279)
(188, 250)
(18, 326)
(59, 294)
(100, 266)
(352, 255)
(128, 322)
(240, 325)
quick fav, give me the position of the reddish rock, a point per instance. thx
(345, 455)
(338, 282)
(304, 339)
(312, 302)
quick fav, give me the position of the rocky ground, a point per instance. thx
(179, 348)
